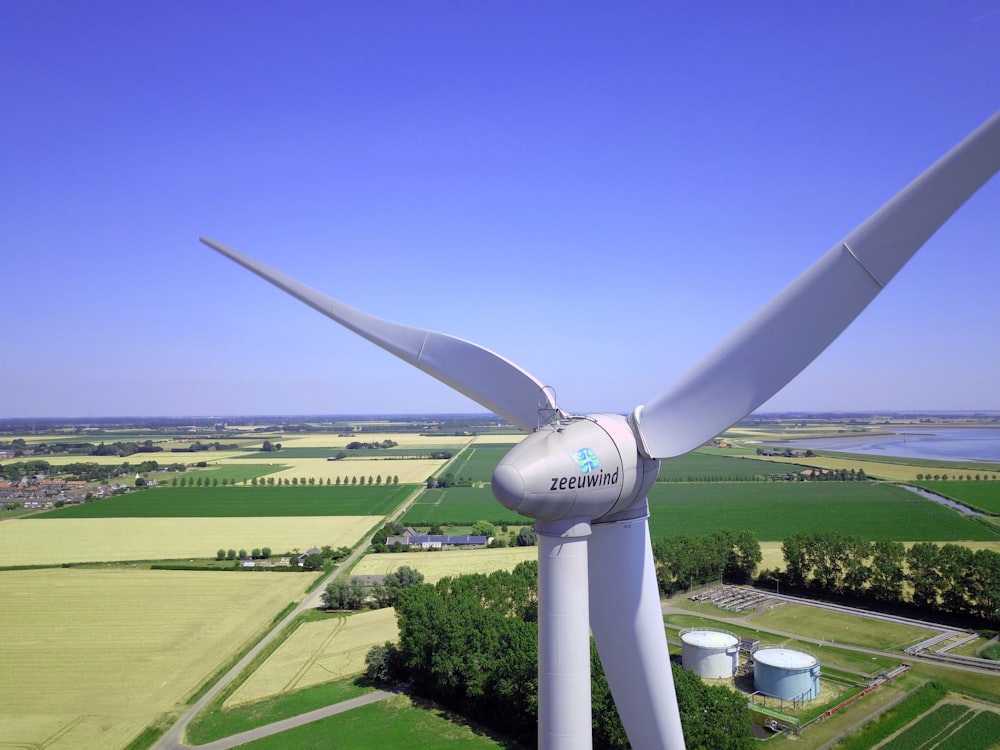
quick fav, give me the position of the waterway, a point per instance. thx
(938, 444)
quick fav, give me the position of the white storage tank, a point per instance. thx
(710, 653)
(786, 674)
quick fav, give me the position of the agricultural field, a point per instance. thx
(191, 502)
(92, 657)
(437, 565)
(460, 505)
(720, 465)
(409, 470)
(32, 541)
(774, 510)
(405, 440)
(982, 496)
(318, 651)
(950, 725)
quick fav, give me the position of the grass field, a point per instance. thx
(403, 439)
(319, 651)
(33, 542)
(230, 502)
(838, 627)
(774, 510)
(437, 565)
(91, 657)
(397, 722)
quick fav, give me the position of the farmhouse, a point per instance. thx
(437, 541)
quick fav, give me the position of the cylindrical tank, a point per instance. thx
(786, 674)
(710, 653)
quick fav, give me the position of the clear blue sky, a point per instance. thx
(598, 191)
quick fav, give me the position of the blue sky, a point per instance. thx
(599, 192)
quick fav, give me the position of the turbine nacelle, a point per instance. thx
(587, 467)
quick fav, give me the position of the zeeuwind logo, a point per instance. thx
(591, 473)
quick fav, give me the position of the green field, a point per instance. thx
(982, 496)
(460, 505)
(478, 461)
(222, 502)
(775, 510)
(711, 465)
(396, 722)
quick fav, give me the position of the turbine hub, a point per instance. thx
(577, 467)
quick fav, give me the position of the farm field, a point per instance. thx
(35, 542)
(409, 470)
(318, 651)
(437, 565)
(983, 496)
(190, 502)
(719, 464)
(404, 440)
(91, 657)
(460, 505)
(774, 510)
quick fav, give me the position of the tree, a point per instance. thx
(312, 562)
(265, 552)
(255, 553)
(527, 537)
(483, 528)
(231, 554)
(220, 554)
(243, 553)
(382, 663)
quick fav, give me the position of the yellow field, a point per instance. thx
(91, 657)
(405, 440)
(59, 540)
(319, 652)
(409, 471)
(512, 439)
(773, 559)
(874, 468)
(437, 565)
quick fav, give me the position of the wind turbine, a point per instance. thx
(584, 479)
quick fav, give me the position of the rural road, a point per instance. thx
(173, 738)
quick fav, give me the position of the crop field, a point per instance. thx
(437, 565)
(477, 462)
(77, 540)
(91, 657)
(713, 464)
(983, 496)
(190, 502)
(774, 510)
(460, 505)
(319, 651)
(404, 439)
(838, 627)
(410, 471)
(950, 726)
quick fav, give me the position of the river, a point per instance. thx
(938, 444)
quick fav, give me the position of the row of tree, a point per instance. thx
(471, 644)
(258, 553)
(950, 578)
(335, 481)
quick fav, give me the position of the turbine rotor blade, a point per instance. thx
(472, 370)
(627, 623)
(788, 333)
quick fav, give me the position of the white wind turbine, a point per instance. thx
(584, 479)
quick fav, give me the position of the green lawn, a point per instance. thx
(838, 627)
(216, 502)
(460, 506)
(396, 722)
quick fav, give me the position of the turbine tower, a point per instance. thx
(584, 478)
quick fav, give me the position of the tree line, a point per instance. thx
(683, 561)
(470, 643)
(949, 579)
